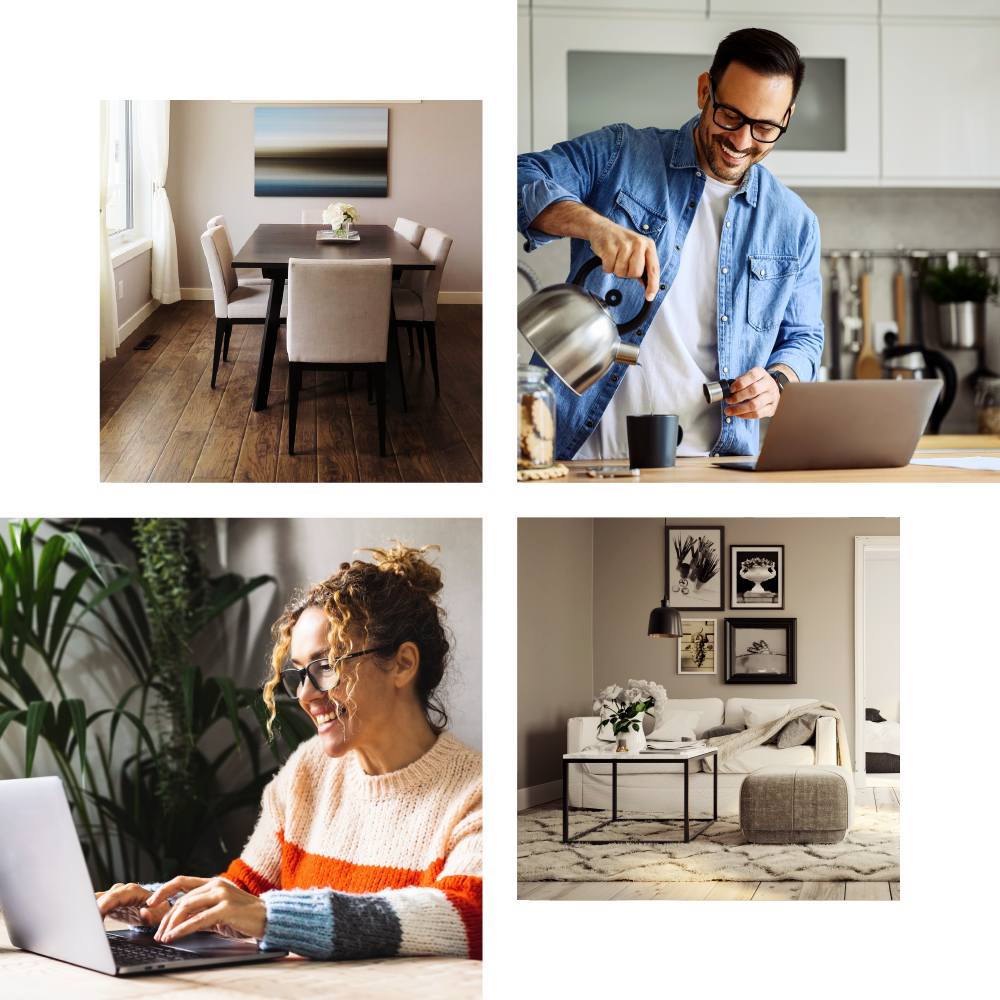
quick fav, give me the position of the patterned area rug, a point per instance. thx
(870, 852)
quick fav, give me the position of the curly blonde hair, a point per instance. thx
(388, 601)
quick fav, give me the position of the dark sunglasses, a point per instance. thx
(324, 675)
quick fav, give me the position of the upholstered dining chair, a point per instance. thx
(234, 303)
(244, 275)
(416, 306)
(338, 320)
(413, 232)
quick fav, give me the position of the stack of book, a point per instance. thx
(680, 748)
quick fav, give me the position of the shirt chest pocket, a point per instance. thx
(771, 281)
(632, 214)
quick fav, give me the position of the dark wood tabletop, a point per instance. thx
(272, 245)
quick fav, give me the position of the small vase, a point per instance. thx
(633, 742)
(344, 231)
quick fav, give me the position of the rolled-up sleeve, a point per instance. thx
(799, 343)
(569, 171)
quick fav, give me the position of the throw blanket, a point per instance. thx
(733, 745)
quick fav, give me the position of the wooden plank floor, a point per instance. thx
(883, 799)
(161, 421)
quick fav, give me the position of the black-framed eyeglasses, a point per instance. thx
(732, 120)
(324, 675)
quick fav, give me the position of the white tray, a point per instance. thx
(327, 236)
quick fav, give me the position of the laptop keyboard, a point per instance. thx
(129, 953)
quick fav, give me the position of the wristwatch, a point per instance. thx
(781, 378)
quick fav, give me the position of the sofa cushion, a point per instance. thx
(734, 707)
(759, 715)
(767, 756)
(798, 731)
(711, 711)
(722, 731)
(675, 725)
(873, 715)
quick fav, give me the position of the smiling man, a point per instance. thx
(732, 256)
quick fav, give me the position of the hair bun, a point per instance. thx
(410, 564)
(345, 566)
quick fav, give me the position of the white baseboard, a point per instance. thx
(132, 324)
(197, 293)
(460, 298)
(535, 795)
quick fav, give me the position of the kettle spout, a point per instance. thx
(628, 354)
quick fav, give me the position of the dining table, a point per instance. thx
(271, 246)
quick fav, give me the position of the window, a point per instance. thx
(120, 212)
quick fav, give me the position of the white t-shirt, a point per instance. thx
(680, 350)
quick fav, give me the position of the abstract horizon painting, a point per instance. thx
(323, 152)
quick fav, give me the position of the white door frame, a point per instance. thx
(861, 544)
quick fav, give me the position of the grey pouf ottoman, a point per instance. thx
(808, 804)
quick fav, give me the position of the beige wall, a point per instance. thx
(554, 644)
(558, 671)
(435, 177)
(136, 275)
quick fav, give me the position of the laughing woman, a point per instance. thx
(369, 841)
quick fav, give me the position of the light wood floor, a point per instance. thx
(161, 421)
(884, 799)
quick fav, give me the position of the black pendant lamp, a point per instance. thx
(664, 621)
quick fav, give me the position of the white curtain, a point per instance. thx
(153, 127)
(109, 306)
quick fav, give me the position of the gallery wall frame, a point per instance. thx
(695, 567)
(757, 577)
(760, 650)
(699, 650)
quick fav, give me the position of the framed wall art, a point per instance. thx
(760, 650)
(757, 577)
(696, 568)
(699, 649)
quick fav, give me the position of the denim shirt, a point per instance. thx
(648, 180)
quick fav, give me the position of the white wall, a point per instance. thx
(882, 632)
(299, 552)
(435, 178)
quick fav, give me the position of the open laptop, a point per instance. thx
(48, 902)
(865, 424)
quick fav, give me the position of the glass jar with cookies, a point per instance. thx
(536, 414)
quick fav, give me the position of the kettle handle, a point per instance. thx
(614, 297)
(942, 365)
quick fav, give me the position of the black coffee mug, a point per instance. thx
(653, 439)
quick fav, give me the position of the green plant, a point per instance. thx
(623, 717)
(960, 284)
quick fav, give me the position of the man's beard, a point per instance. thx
(710, 150)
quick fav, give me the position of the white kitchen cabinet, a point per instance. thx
(557, 32)
(699, 7)
(937, 78)
(820, 8)
(941, 8)
(523, 80)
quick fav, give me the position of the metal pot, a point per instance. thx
(957, 324)
(574, 332)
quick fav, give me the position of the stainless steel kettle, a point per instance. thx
(913, 361)
(574, 332)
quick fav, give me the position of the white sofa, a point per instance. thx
(653, 787)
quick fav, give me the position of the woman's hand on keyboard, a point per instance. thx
(126, 901)
(209, 904)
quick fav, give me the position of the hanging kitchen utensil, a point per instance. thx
(919, 258)
(899, 295)
(851, 320)
(574, 332)
(912, 361)
(835, 344)
(868, 365)
(982, 370)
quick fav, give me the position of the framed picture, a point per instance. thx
(696, 569)
(320, 152)
(757, 577)
(698, 649)
(760, 650)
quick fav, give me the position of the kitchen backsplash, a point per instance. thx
(876, 219)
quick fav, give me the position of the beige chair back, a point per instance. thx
(219, 257)
(409, 230)
(427, 284)
(310, 215)
(338, 310)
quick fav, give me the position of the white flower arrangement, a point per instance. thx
(636, 691)
(338, 213)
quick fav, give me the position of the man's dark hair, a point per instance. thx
(765, 52)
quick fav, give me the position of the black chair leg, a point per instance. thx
(380, 396)
(371, 386)
(220, 332)
(433, 348)
(350, 381)
(420, 341)
(225, 343)
(294, 384)
(409, 337)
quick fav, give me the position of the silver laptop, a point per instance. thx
(48, 901)
(865, 424)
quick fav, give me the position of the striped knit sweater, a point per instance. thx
(351, 865)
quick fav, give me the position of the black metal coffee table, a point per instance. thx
(614, 759)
